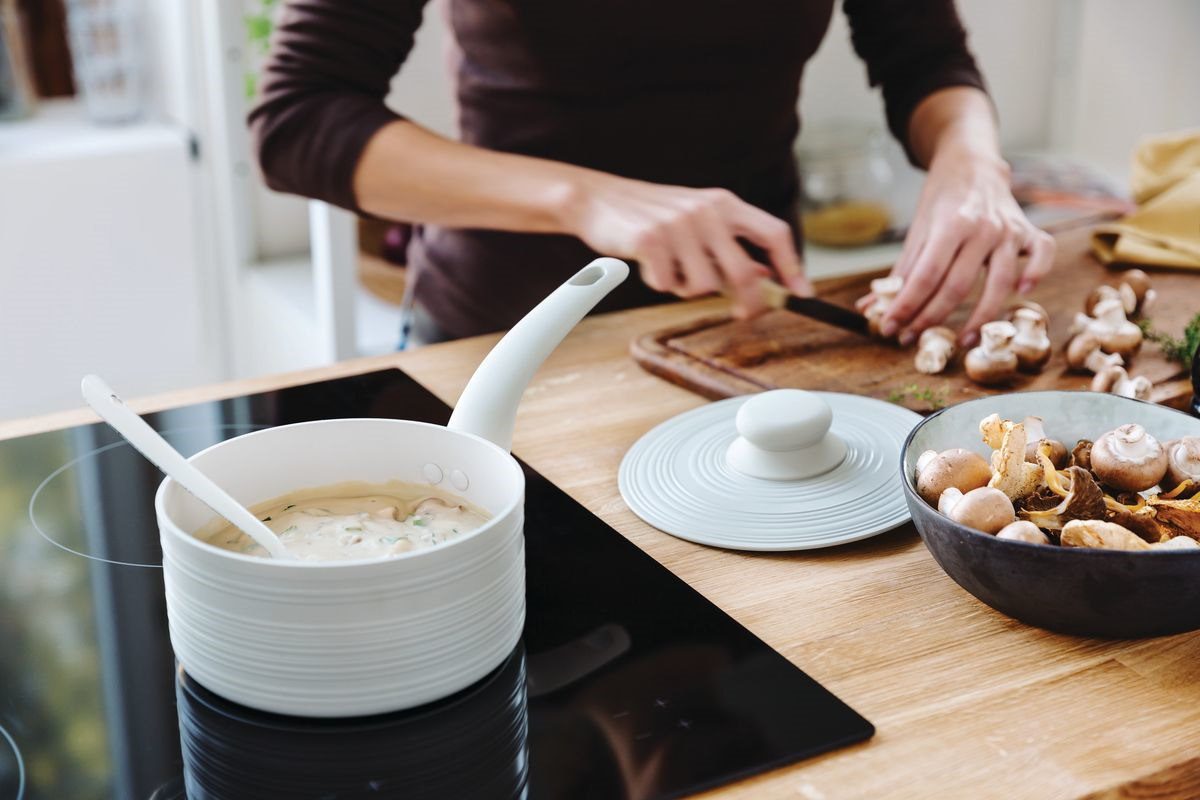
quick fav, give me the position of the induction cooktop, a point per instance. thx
(626, 684)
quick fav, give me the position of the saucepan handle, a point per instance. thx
(488, 406)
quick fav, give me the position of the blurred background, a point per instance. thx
(137, 240)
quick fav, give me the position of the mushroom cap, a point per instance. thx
(1183, 462)
(1138, 281)
(1129, 459)
(1023, 531)
(1032, 306)
(1099, 295)
(1081, 345)
(1035, 434)
(993, 361)
(1101, 534)
(984, 509)
(1106, 379)
(958, 468)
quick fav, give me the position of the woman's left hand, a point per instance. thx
(966, 222)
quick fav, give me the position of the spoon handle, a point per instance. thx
(112, 409)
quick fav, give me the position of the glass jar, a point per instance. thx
(848, 184)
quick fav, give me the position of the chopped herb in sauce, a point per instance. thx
(265, 519)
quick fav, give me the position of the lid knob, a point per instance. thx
(784, 435)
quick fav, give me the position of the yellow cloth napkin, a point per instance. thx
(1165, 230)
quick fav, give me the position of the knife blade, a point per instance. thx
(830, 314)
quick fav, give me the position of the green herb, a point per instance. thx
(390, 539)
(289, 505)
(418, 521)
(246, 548)
(934, 398)
(289, 529)
(266, 519)
(353, 528)
(1181, 350)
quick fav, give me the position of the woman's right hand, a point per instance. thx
(686, 241)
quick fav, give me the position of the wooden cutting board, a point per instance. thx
(720, 357)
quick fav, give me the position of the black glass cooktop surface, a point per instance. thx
(626, 684)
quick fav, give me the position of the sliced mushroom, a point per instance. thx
(1023, 531)
(958, 468)
(1011, 473)
(983, 509)
(935, 348)
(993, 361)
(1084, 353)
(1082, 499)
(1100, 534)
(1115, 380)
(1031, 344)
(1183, 464)
(1129, 459)
(1035, 435)
(884, 291)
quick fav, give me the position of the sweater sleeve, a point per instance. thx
(912, 48)
(323, 88)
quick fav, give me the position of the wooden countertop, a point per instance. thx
(967, 702)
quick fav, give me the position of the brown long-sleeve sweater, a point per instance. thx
(686, 92)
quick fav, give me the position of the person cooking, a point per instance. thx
(660, 132)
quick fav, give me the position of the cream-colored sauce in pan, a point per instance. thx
(354, 520)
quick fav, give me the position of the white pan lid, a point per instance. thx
(781, 470)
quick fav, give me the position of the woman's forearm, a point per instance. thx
(959, 120)
(409, 173)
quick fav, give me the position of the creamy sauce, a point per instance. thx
(354, 520)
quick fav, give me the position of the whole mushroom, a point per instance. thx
(1084, 353)
(957, 468)
(984, 509)
(1138, 283)
(935, 348)
(884, 291)
(993, 361)
(1031, 344)
(1115, 332)
(1115, 380)
(1023, 531)
(1129, 459)
(1035, 434)
(1106, 292)
(1183, 464)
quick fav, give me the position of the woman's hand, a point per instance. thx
(686, 240)
(966, 221)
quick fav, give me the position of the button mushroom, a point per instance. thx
(1085, 354)
(884, 291)
(1116, 333)
(1183, 464)
(1100, 534)
(1115, 380)
(1106, 292)
(1023, 531)
(935, 348)
(983, 509)
(958, 468)
(993, 361)
(1031, 344)
(1144, 296)
(1129, 459)
(1035, 434)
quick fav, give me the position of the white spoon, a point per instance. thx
(112, 409)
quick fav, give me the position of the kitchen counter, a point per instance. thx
(967, 702)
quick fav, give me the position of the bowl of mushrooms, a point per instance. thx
(1077, 512)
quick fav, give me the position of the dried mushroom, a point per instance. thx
(1082, 499)
(1011, 473)
(1177, 517)
(1081, 454)
(1099, 534)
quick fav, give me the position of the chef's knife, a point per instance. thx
(818, 309)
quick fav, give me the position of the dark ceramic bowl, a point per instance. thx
(1070, 590)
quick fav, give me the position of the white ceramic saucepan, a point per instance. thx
(350, 638)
